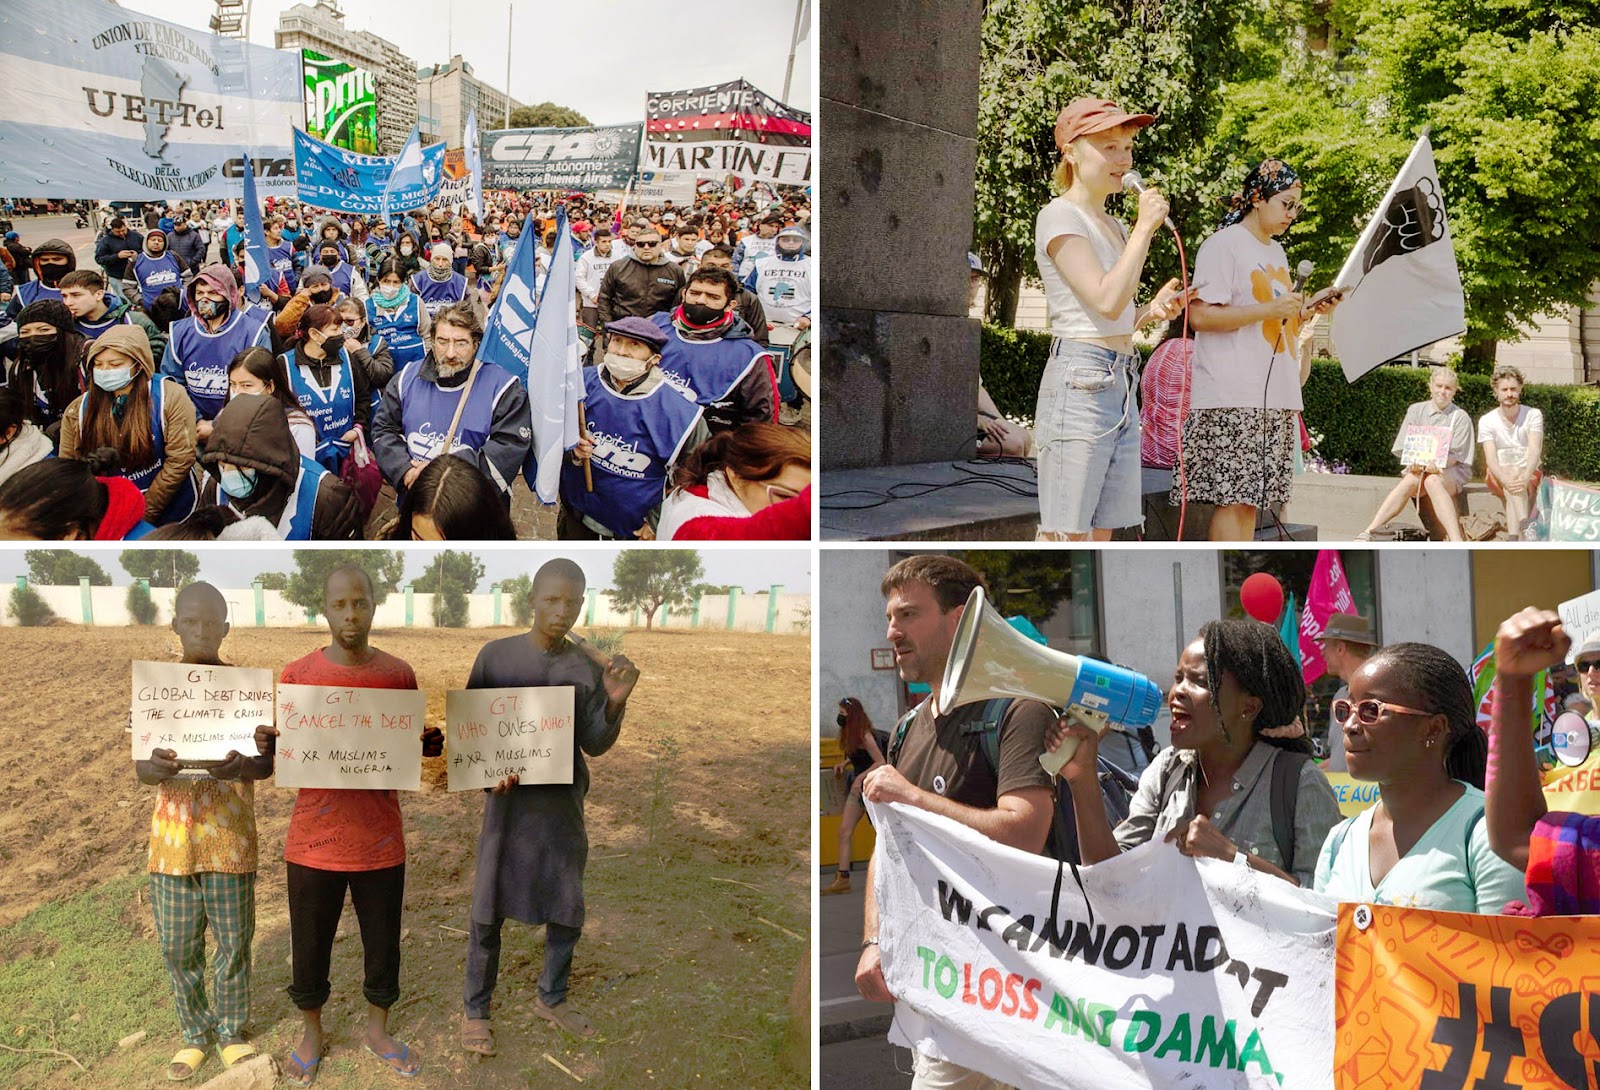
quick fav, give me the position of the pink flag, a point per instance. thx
(1329, 594)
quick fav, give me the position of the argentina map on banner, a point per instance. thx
(732, 128)
(98, 100)
(343, 181)
(1402, 285)
(1159, 971)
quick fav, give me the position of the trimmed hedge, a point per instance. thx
(1357, 421)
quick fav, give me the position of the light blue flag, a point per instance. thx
(255, 241)
(474, 166)
(345, 181)
(536, 338)
(1289, 629)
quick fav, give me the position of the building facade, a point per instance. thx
(447, 93)
(321, 27)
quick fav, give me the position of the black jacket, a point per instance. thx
(631, 288)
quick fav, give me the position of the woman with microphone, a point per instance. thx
(1250, 358)
(1087, 421)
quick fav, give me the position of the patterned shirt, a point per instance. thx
(203, 826)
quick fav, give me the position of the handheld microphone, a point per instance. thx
(1302, 273)
(1132, 181)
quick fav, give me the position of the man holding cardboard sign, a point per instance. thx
(341, 838)
(533, 846)
(203, 834)
(1434, 446)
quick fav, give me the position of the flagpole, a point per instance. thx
(509, 9)
(794, 45)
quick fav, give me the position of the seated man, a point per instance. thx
(1513, 442)
(1432, 482)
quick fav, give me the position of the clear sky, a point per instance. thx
(233, 565)
(577, 55)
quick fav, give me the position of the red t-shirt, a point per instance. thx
(338, 829)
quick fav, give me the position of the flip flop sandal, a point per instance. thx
(235, 1053)
(304, 1074)
(191, 1058)
(403, 1056)
(477, 1036)
(565, 1017)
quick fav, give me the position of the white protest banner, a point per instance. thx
(657, 186)
(1159, 971)
(492, 733)
(198, 712)
(1580, 617)
(350, 738)
(1425, 445)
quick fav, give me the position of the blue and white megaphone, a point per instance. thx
(989, 660)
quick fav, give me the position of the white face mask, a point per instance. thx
(625, 369)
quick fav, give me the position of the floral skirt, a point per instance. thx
(1237, 456)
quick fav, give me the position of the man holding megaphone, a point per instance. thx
(941, 761)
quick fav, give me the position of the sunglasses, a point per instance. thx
(1367, 712)
(1583, 666)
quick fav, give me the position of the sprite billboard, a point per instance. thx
(341, 103)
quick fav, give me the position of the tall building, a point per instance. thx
(320, 26)
(447, 93)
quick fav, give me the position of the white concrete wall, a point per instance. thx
(1425, 596)
(852, 624)
(109, 607)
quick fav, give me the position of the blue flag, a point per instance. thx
(256, 264)
(1289, 629)
(536, 338)
(474, 165)
(344, 181)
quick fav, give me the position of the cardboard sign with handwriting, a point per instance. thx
(350, 738)
(198, 712)
(493, 733)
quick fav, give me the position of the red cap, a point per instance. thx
(1089, 115)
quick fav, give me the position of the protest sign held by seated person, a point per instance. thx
(495, 733)
(350, 738)
(199, 712)
(1425, 445)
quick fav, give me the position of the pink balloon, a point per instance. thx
(1261, 595)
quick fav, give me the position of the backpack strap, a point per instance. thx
(1466, 850)
(988, 729)
(1286, 766)
(899, 734)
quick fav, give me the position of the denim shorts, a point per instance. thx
(1086, 430)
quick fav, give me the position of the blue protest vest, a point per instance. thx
(399, 328)
(155, 274)
(116, 314)
(203, 356)
(300, 510)
(710, 368)
(183, 502)
(333, 411)
(280, 258)
(436, 294)
(635, 439)
(342, 276)
(35, 290)
(426, 411)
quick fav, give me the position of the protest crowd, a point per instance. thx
(161, 394)
(204, 850)
(1462, 825)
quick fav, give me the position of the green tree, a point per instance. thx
(273, 580)
(1032, 583)
(141, 607)
(174, 568)
(1509, 90)
(313, 565)
(30, 609)
(651, 578)
(547, 115)
(519, 592)
(1172, 59)
(59, 568)
(450, 577)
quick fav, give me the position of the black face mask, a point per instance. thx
(700, 314)
(38, 347)
(330, 260)
(321, 296)
(51, 273)
(211, 308)
(839, 720)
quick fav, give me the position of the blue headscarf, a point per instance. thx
(1266, 180)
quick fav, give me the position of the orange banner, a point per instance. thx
(1450, 1001)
